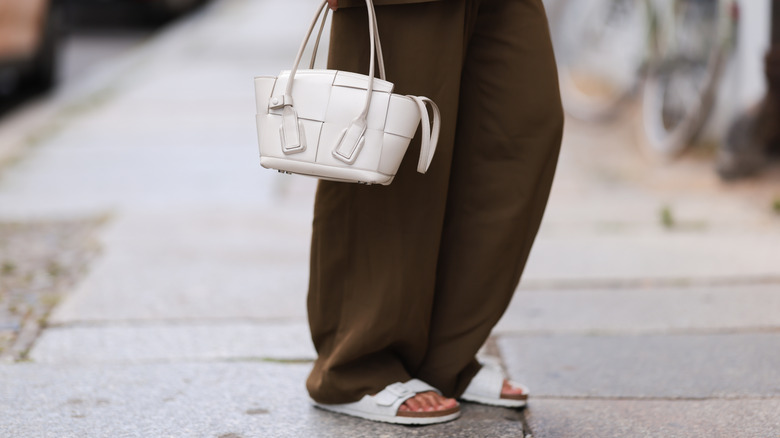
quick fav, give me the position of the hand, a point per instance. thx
(334, 4)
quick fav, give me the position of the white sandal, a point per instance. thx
(384, 406)
(487, 385)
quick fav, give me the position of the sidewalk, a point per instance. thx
(650, 305)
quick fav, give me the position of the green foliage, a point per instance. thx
(667, 217)
(8, 268)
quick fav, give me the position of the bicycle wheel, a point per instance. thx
(601, 50)
(680, 89)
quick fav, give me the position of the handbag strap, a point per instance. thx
(380, 59)
(317, 41)
(349, 142)
(430, 136)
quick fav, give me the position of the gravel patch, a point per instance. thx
(39, 263)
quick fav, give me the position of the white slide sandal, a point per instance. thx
(385, 404)
(486, 387)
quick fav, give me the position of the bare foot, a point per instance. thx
(512, 391)
(428, 402)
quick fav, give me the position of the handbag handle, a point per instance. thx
(376, 45)
(351, 139)
(379, 56)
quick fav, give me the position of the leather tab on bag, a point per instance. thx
(291, 132)
(277, 102)
(350, 142)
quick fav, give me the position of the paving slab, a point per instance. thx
(743, 418)
(643, 310)
(665, 366)
(236, 400)
(102, 169)
(654, 257)
(203, 264)
(582, 199)
(253, 263)
(186, 290)
(174, 342)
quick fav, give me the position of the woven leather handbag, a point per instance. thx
(339, 125)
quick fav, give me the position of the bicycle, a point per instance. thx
(674, 51)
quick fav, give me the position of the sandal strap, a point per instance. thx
(397, 393)
(488, 382)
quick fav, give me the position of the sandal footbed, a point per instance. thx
(514, 396)
(429, 414)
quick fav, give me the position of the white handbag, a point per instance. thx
(339, 125)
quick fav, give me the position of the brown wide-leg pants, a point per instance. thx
(408, 280)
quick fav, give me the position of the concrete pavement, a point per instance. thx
(192, 321)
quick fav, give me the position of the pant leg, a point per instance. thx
(375, 248)
(379, 309)
(508, 137)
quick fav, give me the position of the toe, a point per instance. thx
(414, 404)
(449, 403)
(428, 402)
(511, 390)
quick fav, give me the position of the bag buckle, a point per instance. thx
(350, 142)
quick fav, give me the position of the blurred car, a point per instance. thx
(27, 44)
